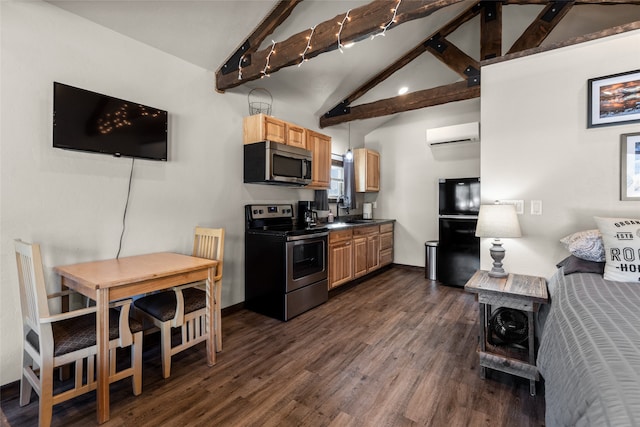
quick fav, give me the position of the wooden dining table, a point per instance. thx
(115, 279)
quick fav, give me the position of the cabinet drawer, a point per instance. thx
(386, 240)
(337, 236)
(386, 228)
(386, 256)
(363, 231)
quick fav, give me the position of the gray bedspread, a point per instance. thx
(589, 352)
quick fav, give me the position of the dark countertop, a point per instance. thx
(355, 222)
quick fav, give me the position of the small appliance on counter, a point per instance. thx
(367, 211)
(307, 216)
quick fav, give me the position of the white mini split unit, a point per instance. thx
(466, 132)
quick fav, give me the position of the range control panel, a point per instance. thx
(271, 211)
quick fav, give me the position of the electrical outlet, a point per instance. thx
(536, 207)
(519, 204)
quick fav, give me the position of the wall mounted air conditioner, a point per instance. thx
(466, 132)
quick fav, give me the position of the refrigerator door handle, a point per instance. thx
(458, 216)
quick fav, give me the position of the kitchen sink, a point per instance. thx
(337, 225)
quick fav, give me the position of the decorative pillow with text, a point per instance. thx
(621, 238)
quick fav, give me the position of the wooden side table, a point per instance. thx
(518, 292)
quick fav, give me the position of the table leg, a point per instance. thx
(102, 327)
(532, 351)
(482, 322)
(211, 336)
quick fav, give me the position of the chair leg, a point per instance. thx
(25, 384)
(136, 361)
(165, 342)
(218, 316)
(25, 391)
(45, 404)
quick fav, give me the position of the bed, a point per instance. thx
(589, 354)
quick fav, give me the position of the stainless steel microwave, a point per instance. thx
(269, 162)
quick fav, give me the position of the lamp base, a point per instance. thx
(497, 252)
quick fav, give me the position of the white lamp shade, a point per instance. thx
(498, 221)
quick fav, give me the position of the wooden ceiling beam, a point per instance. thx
(491, 30)
(418, 50)
(540, 28)
(365, 21)
(277, 16)
(458, 91)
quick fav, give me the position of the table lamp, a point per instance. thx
(497, 221)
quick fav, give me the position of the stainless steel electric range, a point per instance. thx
(285, 265)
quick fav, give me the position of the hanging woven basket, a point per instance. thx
(260, 101)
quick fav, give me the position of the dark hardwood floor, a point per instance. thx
(394, 350)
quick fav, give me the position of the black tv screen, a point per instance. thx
(89, 121)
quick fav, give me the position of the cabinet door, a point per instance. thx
(320, 146)
(386, 248)
(359, 256)
(274, 129)
(296, 136)
(340, 263)
(373, 252)
(367, 165)
(373, 171)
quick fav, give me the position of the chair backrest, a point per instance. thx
(209, 243)
(33, 292)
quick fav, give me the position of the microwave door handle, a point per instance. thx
(307, 168)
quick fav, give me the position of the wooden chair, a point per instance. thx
(185, 306)
(54, 340)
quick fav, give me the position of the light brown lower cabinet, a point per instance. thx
(358, 251)
(386, 244)
(340, 257)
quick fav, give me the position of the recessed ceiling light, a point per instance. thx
(403, 90)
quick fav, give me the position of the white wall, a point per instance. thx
(535, 145)
(71, 202)
(410, 169)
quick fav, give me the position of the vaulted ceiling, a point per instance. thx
(248, 63)
(435, 48)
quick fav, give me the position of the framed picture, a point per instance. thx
(614, 100)
(630, 166)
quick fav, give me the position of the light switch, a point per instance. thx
(519, 204)
(536, 207)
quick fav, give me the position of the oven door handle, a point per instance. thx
(307, 236)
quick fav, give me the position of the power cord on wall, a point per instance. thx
(124, 217)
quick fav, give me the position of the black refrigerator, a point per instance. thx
(458, 247)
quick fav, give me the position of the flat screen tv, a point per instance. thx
(89, 121)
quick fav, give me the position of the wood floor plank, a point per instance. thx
(393, 350)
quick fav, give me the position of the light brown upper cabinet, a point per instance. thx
(320, 146)
(296, 136)
(261, 127)
(367, 165)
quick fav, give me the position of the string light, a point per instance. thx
(346, 17)
(266, 65)
(308, 46)
(393, 19)
(240, 67)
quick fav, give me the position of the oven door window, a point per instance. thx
(306, 262)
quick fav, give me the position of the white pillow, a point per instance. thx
(585, 245)
(621, 238)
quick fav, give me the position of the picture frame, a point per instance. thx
(614, 99)
(630, 166)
